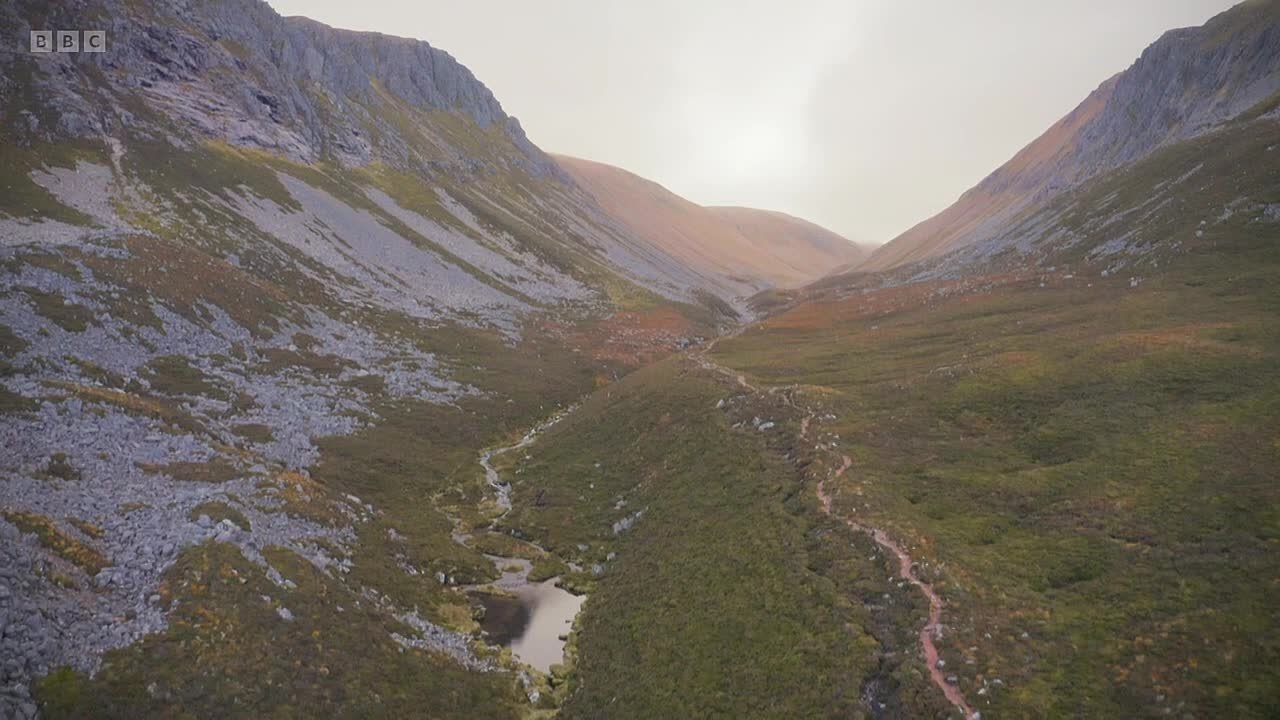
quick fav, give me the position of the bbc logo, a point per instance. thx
(45, 41)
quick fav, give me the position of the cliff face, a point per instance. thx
(1189, 82)
(238, 71)
(184, 78)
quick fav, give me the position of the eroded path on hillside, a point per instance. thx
(906, 564)
(906, 571)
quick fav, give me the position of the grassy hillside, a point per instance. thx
(716, 589)
(1087, 466)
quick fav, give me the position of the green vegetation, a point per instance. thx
(86, 527)
(162, 409)
(60, 467)
(369, 384)
(419, 463)
(347, 186)
(58, 542)
(213, 471)
(546, 569)
(64, 313)
(222, 655)
(416, 463)
(1187, 195)
(319, 364)
(216, 168)
(175, 375)
(186, 278)
(10, 343)
(97, 373)
(12, 402)
(20, 196)
(1087, 468)
(492, 543)
(254, 432)
(219, 511)
(24, 198)
(722, 600)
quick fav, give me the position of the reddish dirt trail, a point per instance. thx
(905, 570)
(933, 628)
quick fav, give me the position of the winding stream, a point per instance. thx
(531, 618)
(502, 488)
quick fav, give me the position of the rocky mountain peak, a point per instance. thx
(239, 72)
(1187, 83)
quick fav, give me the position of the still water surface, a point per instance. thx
(532, 622)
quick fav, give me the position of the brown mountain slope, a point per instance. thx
(1011, 188)
(753, 249)
(807, 246)
(1187, 83)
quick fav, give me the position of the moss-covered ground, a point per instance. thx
(1088, 468)
(729, 596)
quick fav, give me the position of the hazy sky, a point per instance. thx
(865, 116)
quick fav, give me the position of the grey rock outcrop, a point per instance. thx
(239, 72)
(183, 76)
(1189, 81)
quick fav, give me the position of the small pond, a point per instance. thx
(532, 622)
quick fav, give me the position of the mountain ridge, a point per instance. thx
(292, 85)
(1182, 92)
(758, 248)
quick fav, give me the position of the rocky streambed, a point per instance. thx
(532, 617)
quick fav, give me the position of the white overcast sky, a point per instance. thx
(865, 116)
